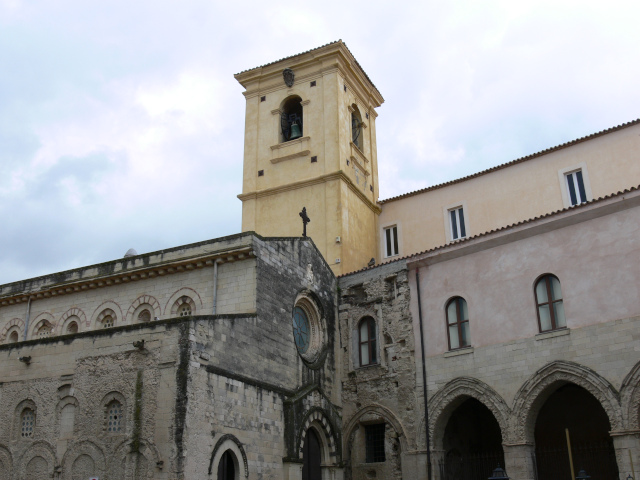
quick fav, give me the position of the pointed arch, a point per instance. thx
(15, 324)
(535, 391)
(101, 310)
(229, 442)
(143, 300)
(444, 402)
(73, 312)
(40, 320)
(184, 292)
(317, 419)
(39, 448)
(83, 447)
(630, 399)
(374, 411)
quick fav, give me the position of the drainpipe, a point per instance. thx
(424, 377)
(215, 285)
(26, 322)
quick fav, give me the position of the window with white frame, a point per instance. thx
(391, 241)
(575, 187)
(456, 222)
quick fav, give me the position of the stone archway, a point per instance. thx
(452, 395)
(535, 391)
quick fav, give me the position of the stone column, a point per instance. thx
(627, 447)
(518, 459)
(332, 473)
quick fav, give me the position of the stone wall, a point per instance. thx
(385, 391)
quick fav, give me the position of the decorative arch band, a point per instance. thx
(219, 443)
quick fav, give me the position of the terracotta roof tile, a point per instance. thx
(513, 162)
(500, 229)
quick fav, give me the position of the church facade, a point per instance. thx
(489, 321)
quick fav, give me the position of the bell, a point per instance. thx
(295, 131)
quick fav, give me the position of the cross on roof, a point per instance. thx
(305, 220)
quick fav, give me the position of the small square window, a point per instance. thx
(261, 173)
(456, 222)
(391, 241)
(263, 99)
(314, 159)
(374, 443)
(575, 187)
(313, 84)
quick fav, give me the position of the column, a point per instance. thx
(518, 459)
(627, 447)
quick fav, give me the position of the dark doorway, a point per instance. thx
(311, 457)
(472, 443)
(227, 466)
(573, 408)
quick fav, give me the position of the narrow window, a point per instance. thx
(367, 334)
(374, 443)
(115, 419)
(457, 323)
(67, 418)
(13, 338)
(72, 328)
(356, 127)
(27, 423)
(227, 467)
(456, 218)
(549, 302)
(391, 241)
(575, 186)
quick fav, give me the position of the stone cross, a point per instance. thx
(305, 220)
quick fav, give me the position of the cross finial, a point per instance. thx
(305, 220)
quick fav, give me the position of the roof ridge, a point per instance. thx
(513, 162)
(499, 229)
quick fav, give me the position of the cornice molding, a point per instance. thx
(132, 275)
(339, 175)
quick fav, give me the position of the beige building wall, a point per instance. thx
(323, 170)
(515, 192)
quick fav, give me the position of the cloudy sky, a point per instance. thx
(121, 124)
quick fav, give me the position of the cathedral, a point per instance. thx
(482, 328)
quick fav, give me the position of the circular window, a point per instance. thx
(308, 329)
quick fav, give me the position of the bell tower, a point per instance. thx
(310, 142)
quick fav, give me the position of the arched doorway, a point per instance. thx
(312, 457)
(573, 408)
(227, 466)
(472, 443)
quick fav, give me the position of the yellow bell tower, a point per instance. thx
(310, 141)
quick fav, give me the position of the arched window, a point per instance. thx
(106, 319)
(291, 119)
(183, 307)
(184, 310)
(115, 417)
(458, 323)
(367, 341)
(144, 316)
(356, 126)
(14, 337)
(44, 330)
(227, 466)
(549, 303)
(72, 328)
(27, 423)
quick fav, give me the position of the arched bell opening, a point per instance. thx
(472, 443)
(572, 408)
(291, 121)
